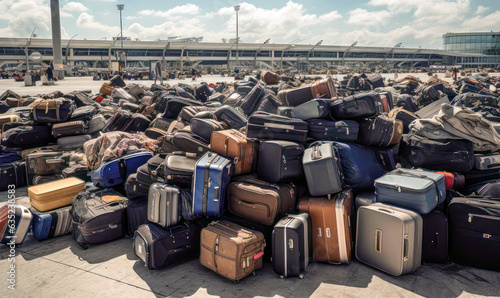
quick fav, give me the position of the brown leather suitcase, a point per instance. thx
(331, 229)
(106, 89)
(231, 250)
(269, 77)
(55, 194)
(234, 144)
(260, 201)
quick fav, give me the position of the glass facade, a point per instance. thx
(487, 43)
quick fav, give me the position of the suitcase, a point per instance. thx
(71, 128)
(280, 161)
(453, 180)
(380, 131)
(46, 163)
(137, 215)
(51, 224)
(53, 110)
(389, 238)
(322, 169)
(405, 101)
(155, 164)
(9, 119)
(234, 100)
(79, 171)
(273, 127)
(252, 100)
(375, 80)
(296, 96)
(27, 137)
(314, 109)
(489, 190)
(432, 109)
(205, 127)
(358, 106)
(260, 201)
(231, 250)
(331, 226)
(474, 226)
(161, 123)
(387, 101)
(187, 113)
(342, 131)
(269, 103)
(118, 122)
(184, 141)
(116, 171)
(96, 124)
(98, 217)
(9, 157)
(84, 113)
(269, 77)
(420, 191)
(234, 144)
(15, 223)
(233, 118)
(155, 133)
(286, 111)
(175, 104)
(73, 142)
(179, 167)
(137, 123)
(160, 247)
(135, 189)
(291, 243)
(117, 81)
(439, 155)
(365, 199)
(211, 177)
(435, 237)
(404, 116)
(37, 179)
(487, 162)
(12, 174)
(163, 205)
(54, 194)
(106, 89)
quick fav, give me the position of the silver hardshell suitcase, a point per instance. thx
(163, 204)
(322, 169)
(487, 162)
(96, 124)
(389, 238)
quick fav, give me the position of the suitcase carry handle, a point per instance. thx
(54, 161)
(182, 153)
(316, 153)
(423, 177)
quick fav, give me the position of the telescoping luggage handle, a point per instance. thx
(207, 181)
(439, 194)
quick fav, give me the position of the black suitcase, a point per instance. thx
(155, 133)
(269, 103)
(26, 137)
(184, 141)
(435, 237)
(404, 116)
(285, 111)
(78, 170)
(280, 161)
(475, 101)
(314, 109)
(179, 167)
(119, 121)
(266, 126)
(204, 127)
(232, 117)
(98, 217)
(341, 131)
(375, 80)
(361, 105)
(159, 247)
(13, 173)
(118, 81)
(46, 162)
(137, 215)
(79, 98)
(291, 243)
(405, 101)
(161, 123)
(137, 123)
(380, 131)
(155, 164)
(84, 113)
(439, 155)
(253, 99)
(53, 110)
(70, 128)
(474, 226)
(145, 176)
(135, 189)
(174, 105)
(203, 92)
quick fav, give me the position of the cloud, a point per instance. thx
(176, 12)
(361, 16)
(479, 23)
(74, 6)
(481, 9)
(87, 21)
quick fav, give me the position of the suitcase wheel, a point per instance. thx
(282, 277)
(301, 276)
(253, 273)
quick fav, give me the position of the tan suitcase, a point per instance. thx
(231, 250)
(234, 144)
(55, 194)
(331, 229)
(106, 89)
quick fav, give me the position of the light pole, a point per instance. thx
(347, 51)
(282, 53)
(257, 52)
(237, 9)
(26, 51)
(120, 8)
(67, 47)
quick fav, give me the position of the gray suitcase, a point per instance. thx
(389, 238)
(163, 204)
(420, 191)
(487, 162)
(96, 124)
(432, 109)
(322, 169)
(73, 142)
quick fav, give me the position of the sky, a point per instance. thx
(414, 23)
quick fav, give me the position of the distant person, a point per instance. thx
(193, 74)
(454, 74)
(50, 73)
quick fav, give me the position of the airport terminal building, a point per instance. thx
(467, 50)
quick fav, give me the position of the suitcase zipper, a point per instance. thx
(249, 204)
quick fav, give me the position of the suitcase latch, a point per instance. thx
(327, 231)
(487, 236)
(290, 245)
(319, 233)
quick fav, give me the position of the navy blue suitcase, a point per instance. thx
(9, 157)
(13, 173)
(358, 106)
(342, 131)
(116, 171)
(46, 225)
(405, 101)
(211, 177)
(137, 214)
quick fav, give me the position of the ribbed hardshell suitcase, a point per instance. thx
(15, 223)
(234, 144)
(474, 226)
(231, 250)
(211, 177)
(163, 204)
(260, 201)
(420, 191)
(55, 194)
(331, 226)
(323, 169)
(51, 224)
(389, 238)
(159, 247)
(116, 171)
(280, 161)
(291, 243)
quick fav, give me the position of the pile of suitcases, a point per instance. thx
(247, 173)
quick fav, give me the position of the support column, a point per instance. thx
(56, 39)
